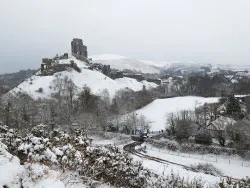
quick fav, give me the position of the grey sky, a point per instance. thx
(215, 31)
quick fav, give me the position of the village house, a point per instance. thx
(220, 126)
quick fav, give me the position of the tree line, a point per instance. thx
(69, 105)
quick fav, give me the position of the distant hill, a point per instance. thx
(11, 80)
(124, 63)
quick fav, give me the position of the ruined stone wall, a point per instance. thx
(79, 50)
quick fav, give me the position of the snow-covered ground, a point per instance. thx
(36, 175)
(232, 166)
(120, 63)
(167, 169)
(157, 111)
(91, 78)
(110, 138)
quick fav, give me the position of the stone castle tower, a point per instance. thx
(78, 49)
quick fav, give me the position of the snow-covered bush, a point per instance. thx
(231, 183)
(206, 168)
(141, 147)
(164, 143)
(10, 137)
(36, 171)
(3, 128)
(40, 130)
(203, 149)
(191, 147)
(72, 152)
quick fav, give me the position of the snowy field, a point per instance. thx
(237, 168)
(91, 78)
(164, 169)
(157, 111)
(232, 166)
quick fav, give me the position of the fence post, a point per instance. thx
(229, 161)
(242, 163)
(164, 170)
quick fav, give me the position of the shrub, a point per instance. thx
(182, 129)
(207, 169)
(204, 137)
(191, 147)
(164, 143)
(40, 90)
(229, 182)
(70, 152)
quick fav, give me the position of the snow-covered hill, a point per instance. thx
(157, 111)
(107, 57)
(120, 63)
(91, 78)
(161, 65)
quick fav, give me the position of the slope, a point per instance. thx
(91, 78)
(157, 111)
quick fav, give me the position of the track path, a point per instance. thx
(131, 149)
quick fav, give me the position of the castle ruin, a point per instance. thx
(79, 50)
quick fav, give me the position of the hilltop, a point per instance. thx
(39, 86)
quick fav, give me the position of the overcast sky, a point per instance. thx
(215, 31)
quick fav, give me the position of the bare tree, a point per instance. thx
(170, 123)
(70, 92)
(143, 123)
